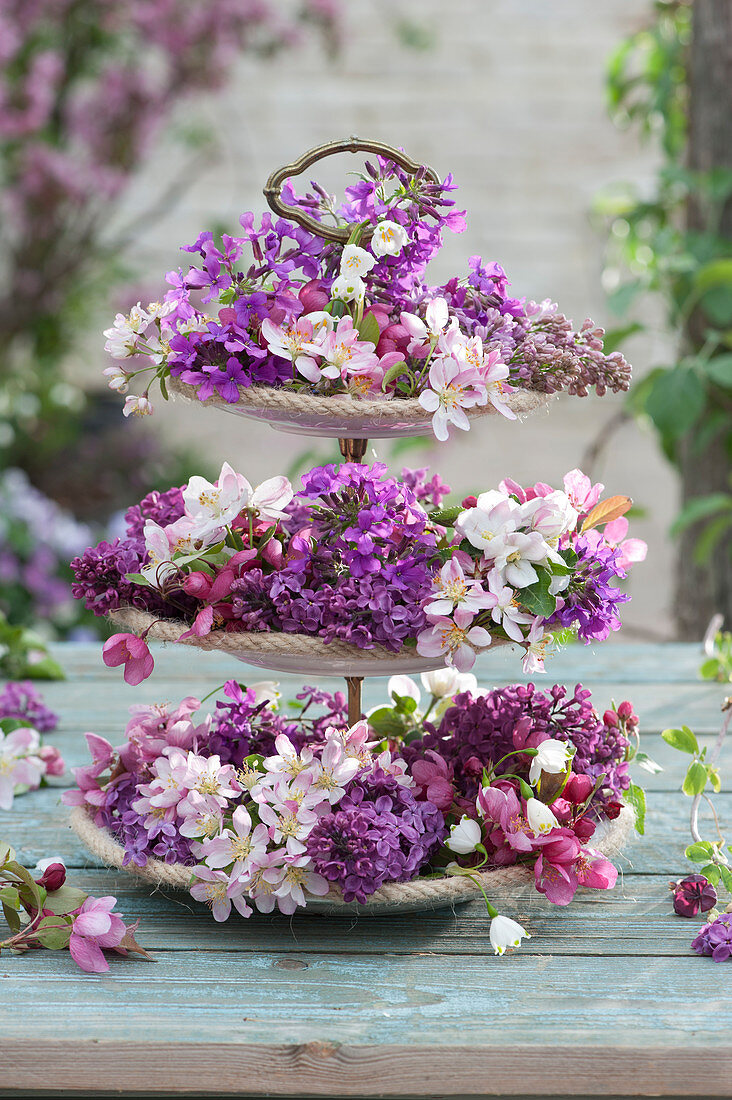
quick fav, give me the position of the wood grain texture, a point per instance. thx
(605, 998)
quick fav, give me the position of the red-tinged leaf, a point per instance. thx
(606, 511)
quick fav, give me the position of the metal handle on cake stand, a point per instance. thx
(352, 449)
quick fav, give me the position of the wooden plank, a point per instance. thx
(266, 999)
(333, 1068)
(634, 919)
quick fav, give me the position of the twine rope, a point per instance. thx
(340, 407)
(300, 645)
(451, 888)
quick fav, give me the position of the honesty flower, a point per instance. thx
(464, 836)
(552, 756)
(505, 933)
(454, 638)
(388, 239)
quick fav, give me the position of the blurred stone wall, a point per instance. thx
(508, 95)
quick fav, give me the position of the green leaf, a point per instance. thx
(12, 917)
(7, 725)
(711, 871)
(30, 886)
(710, 669)
(163, 387)
(9, 896)
(699, 852)
(683, 740)
(701, 508)
(726, 876)
(368, 329)
(137, 578)
(643, 760)
(716, 273)
(392, 373)
(695, 779)
(536, 598)
(636, 797)
(620, 300)
(387, 723)
(614, 337)
(676, 401)
(714, 778)
(54, 932)
(717, 305)
(719, 369)
(6, 853)
(446, 517)
(65, 899)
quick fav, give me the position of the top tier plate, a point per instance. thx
(343, 417)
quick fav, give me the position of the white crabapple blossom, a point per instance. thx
(465, 836)
(455, 639)
(487, 365)
(117, 378)
(332, 770)
(215, 506)
(506, 611)
(219, 892)
(240, 846)
(506, 933)
(437, 321)
(446, 682)
(537, 642)
(552, 756)
(297, 876)
(451, 589)
(452, 389)
(297, 342)
(403, 686)
(388, 239)
(20, 765)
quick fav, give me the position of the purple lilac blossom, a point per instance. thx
(475, 732)
(715, 939)
(589, 602)
(21, 700)
(379, 833)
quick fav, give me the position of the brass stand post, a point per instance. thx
(355, 712)
(353, 450)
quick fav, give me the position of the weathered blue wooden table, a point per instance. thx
(605, 999)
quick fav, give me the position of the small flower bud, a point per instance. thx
(625, 711)
(470, 502)
(578, 789)
(53, 877)
(612, 810)
(610, 718)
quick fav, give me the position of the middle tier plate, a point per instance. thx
(343, 417)
(287, 652)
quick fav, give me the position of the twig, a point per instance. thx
(713, 757)
(595, 448)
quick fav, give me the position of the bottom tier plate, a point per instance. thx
(396, 897)
(287, 652)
